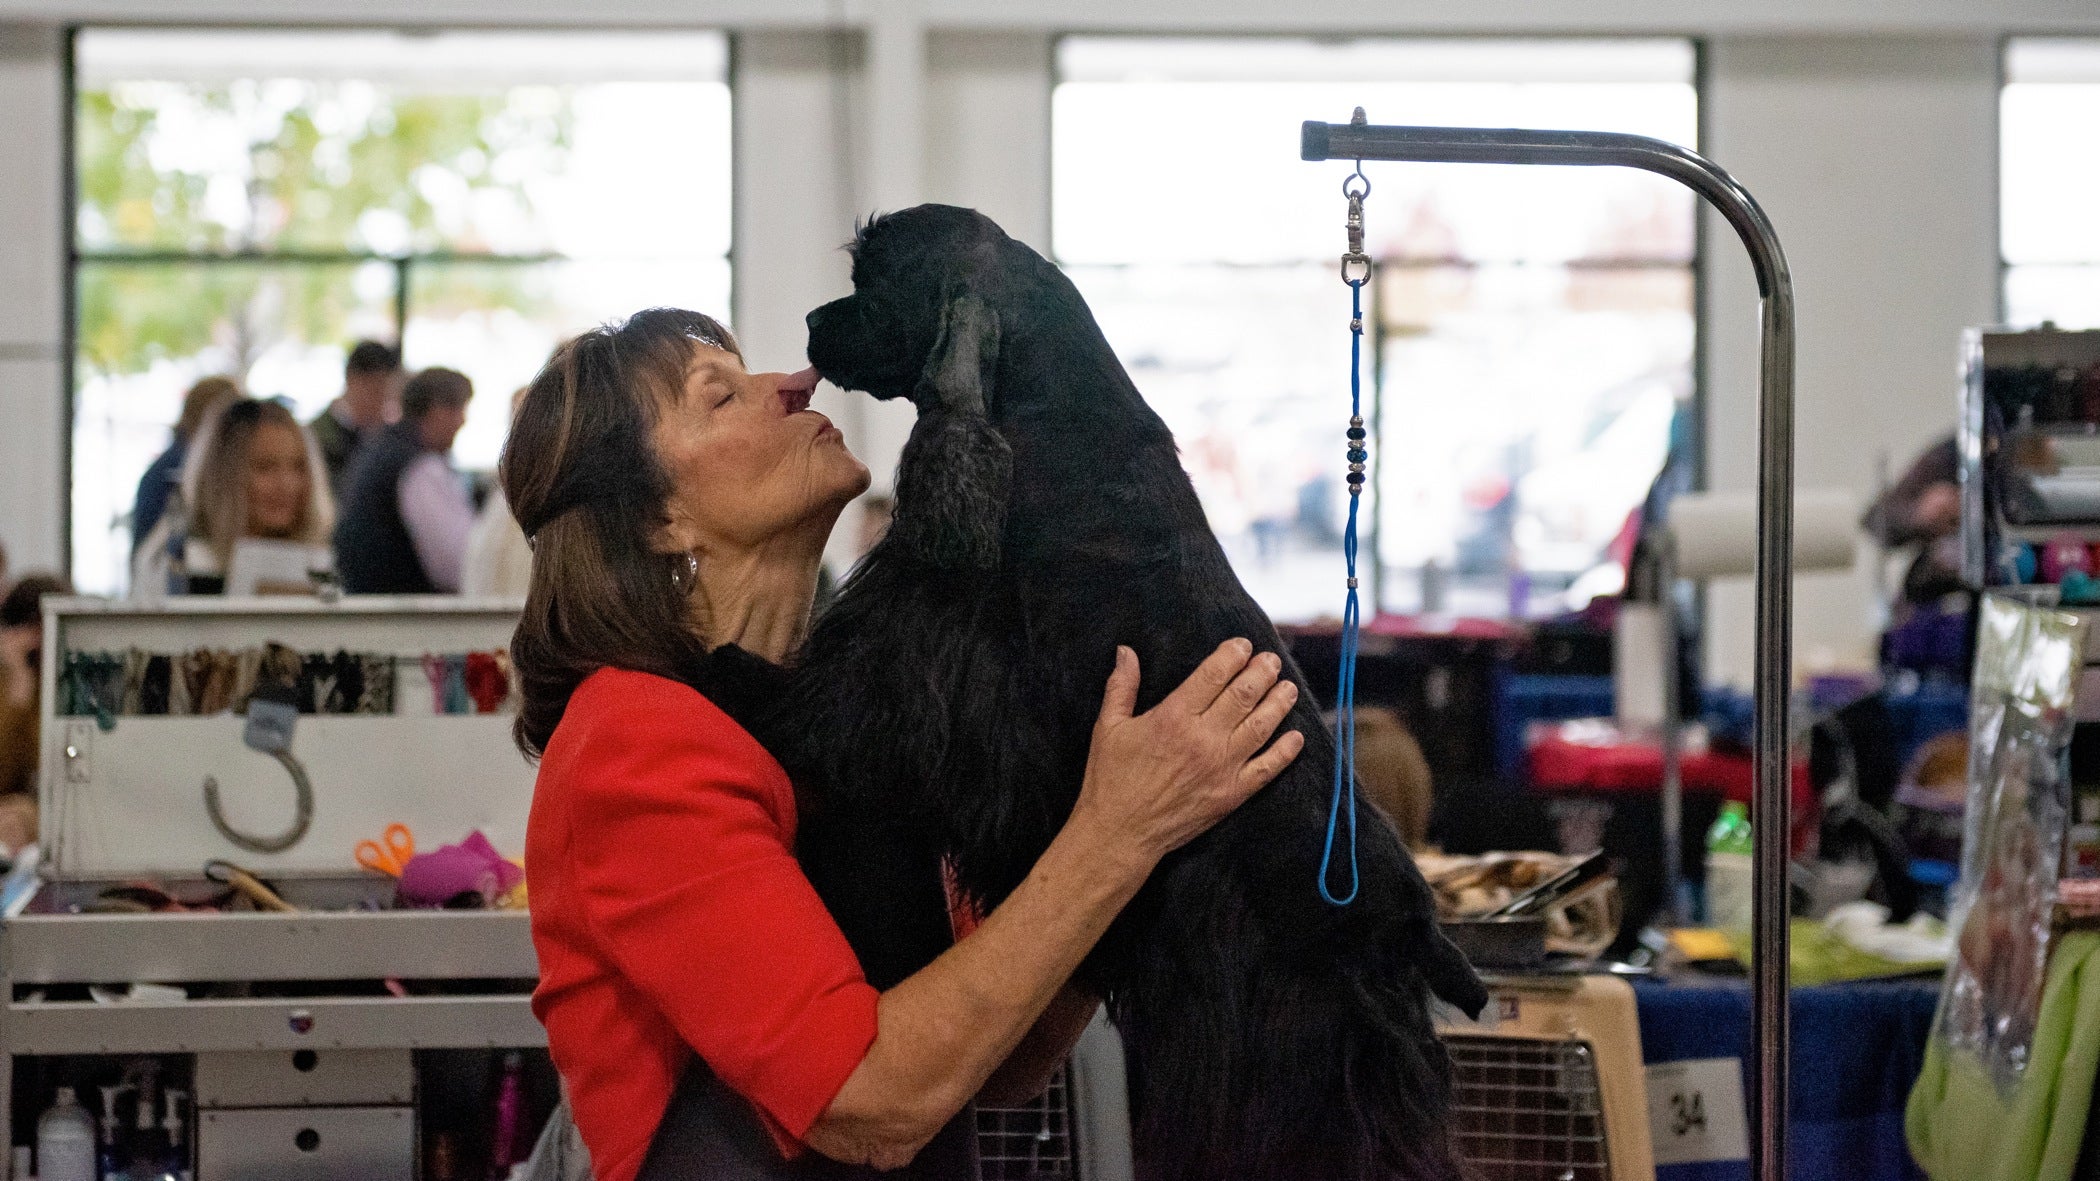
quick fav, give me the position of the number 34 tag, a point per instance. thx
(1695, 1111)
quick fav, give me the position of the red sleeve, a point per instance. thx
(680, 849)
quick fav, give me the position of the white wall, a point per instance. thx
(1877, 161)
(32, 251)
(1865, 126)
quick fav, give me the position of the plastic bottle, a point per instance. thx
(1729, 884)
(149, 1149)
(65, 1140)
(508, 1122)
(20, 1164)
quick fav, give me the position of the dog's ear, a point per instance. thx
(953, 478)
(959, 371)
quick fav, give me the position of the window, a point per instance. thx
(2048, 232)
(1532, 327)
(251, 202)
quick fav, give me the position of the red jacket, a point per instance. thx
(671, 917)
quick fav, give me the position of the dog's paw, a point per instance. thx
(958, 375)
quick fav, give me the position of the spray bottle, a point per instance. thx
(177, 1161)
(107, 1161)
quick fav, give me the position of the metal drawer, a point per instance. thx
(176, 948)
(196, 1027)
(305, 1078)
(307, 1144)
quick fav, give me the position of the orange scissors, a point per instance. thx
(388, 855)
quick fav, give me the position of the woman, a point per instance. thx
(255, 477)
(678, 507)
(21, 661)
(158, 485)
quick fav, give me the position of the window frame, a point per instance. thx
(403, 264)
(2006, 267)
(1696, 266)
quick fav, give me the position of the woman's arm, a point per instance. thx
(1027, 1071)
(1153, 782)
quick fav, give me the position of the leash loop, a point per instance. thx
(1356, 271)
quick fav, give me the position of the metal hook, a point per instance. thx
(279, 843)
(1356, 186)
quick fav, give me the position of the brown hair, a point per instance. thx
(587, 487)
(1392, 774)
(434, 387)
(372, 356)
(215, 486)
(23, 604)
(207, 395)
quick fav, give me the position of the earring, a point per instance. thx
(685, 573)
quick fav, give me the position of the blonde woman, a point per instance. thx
(255, 480)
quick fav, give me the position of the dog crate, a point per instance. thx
(1032, 1142)
(1549, 1085)
(1077, 1130)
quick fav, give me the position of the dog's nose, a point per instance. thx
(815, 317)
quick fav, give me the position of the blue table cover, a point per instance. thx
(1857, 1048)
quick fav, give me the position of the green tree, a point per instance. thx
(258, 167)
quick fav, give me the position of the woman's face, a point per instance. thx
(278, 482)
(749, 461)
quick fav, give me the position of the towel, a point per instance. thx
(1961, 1128)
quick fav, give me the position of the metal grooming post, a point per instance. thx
(1775, 518)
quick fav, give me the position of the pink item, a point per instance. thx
(2064, 554)
(510, 1141)
(432, 879)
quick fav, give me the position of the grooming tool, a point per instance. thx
(390, 853)
(1558, 888)
(247, 885)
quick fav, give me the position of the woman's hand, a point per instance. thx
(1159, 779)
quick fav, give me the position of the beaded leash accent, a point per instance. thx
(1356, 271)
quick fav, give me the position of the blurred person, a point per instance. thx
(1392, 774)
(1922, 511)
(406, 512)
(164, 475)
(499, 559)
(256, 475)
(371, 385)
(21, 658)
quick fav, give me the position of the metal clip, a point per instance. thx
(1356, 186)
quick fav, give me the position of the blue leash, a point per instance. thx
(1359, 453)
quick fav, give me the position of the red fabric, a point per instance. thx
(671, 917)
(1622, 766)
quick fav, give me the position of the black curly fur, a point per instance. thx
(945, 701)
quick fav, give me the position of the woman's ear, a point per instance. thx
(677, 533)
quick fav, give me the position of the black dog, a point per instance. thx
(945, 701)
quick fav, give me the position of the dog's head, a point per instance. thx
(907, 267)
